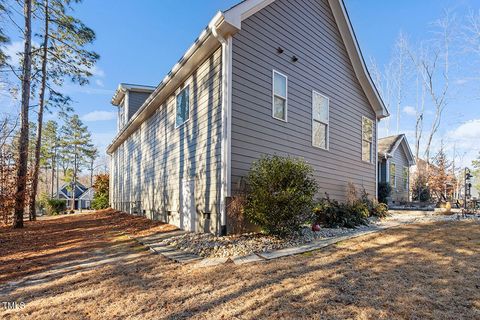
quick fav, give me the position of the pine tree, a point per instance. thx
(3, 37)
(62, 57)
(49, 149)
(76, 145)
(21, 178)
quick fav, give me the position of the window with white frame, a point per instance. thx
(279, 96)
(405, 178)
(182, 107)
(393, 175)
(320, 120)
(367, 140)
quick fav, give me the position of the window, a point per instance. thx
(367, 140)
(183, 107)
(320, 120)
(405, 178)
(279, 96)
(393, 177)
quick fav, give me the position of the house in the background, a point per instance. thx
(265, 77)
(83, 195)
(394, 161)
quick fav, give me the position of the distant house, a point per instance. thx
(394, 161)
(265, 77)
(83, 195)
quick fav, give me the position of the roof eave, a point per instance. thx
(353, 49)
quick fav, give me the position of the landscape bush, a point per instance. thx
(384, 191)
(100, 201)
(375, 208)
(101, 187)
(280, 194)
(333, 214)
(55, 206)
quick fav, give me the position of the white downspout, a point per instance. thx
(225, 175)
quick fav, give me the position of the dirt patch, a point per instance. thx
(421, 271)
(54, 240)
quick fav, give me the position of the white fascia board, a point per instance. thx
(403, 141)
(243, 10)
(348, 35)
(204, 45)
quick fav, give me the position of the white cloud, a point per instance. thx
(97, 71)
(98, 115)
(461, 81)
(409, 110)
(469, 130)
(12, 51)
(102, 140)
(99, 83)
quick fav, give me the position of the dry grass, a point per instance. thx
(421, 271)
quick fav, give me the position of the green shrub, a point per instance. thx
(384, 191)
(55, 206)
(375, 208)
(330, 213)
(100, 198)
(379, 210)
(280, 194)
(100, 201)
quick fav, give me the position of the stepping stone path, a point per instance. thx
(154, 243)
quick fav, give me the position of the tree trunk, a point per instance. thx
(36, 168)
(74, 179)
(53, 177)
(21, 178)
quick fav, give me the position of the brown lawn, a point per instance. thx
(422, 271)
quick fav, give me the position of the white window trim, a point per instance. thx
(273, 95)
(395, 174)
(327, 146)
(177, 92)
(406, 187)
(361, 142)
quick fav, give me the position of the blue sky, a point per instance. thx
(140, 41)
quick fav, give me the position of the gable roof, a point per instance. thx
(388, 145)
(80, 189)
(228, 23)
(124, 87)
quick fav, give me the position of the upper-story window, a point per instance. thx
(182, 107)
(367, 140)
(320, 120)
(280, 87)
(121, 115)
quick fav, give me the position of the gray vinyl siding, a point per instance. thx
(399, 157)
(135, 101)
(149, 167)
(306, 29)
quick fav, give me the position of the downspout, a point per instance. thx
(225, 175)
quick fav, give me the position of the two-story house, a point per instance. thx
(265, 77)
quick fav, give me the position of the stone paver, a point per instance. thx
(210, 262)
(247, 259)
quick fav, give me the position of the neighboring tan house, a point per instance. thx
(265, 77)
(394, 161)
(83, 196)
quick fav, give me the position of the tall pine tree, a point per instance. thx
(63, 56)
(77, 144)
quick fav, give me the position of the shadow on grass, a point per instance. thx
(414, 271)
